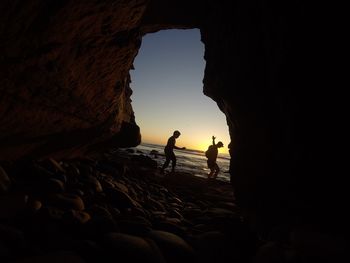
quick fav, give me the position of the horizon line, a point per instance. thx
(187, 149)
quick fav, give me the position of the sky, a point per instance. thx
(168, 92)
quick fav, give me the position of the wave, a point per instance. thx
(160, 149)
(161, 146)
(188, 160)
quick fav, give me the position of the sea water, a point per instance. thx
(189, 161)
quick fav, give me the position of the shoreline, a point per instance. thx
(179, 179)
(225, 156)
(187, 162)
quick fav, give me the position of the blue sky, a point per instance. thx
(168, 91)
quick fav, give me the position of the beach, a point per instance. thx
(188, 161)
(115, 206)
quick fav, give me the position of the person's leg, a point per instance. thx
(166, 163)
(217, 170)
(210, 175)
(173, 162)
(211, 167)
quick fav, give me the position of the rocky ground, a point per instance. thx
(117, 208)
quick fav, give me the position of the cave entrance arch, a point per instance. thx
(168, 95)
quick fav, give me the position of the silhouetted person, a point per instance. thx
(212, 154)
(169, 151)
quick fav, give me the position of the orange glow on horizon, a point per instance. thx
(196, 143)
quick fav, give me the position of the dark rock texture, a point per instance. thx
(64, 70)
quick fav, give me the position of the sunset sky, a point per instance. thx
(168, 92)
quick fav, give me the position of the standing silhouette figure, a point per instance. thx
(169, 152)
(212, 154)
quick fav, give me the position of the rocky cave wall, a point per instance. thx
(65, 89)
(64, 72)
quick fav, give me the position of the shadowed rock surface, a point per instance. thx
(116, 207)
(65, 93)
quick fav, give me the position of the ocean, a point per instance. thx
(188, 161)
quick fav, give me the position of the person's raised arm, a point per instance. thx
(213, 139)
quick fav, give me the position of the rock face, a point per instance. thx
(263, 68)
(64, 72)
(65, 90)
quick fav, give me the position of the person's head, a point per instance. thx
(220, 144)
(176, 133)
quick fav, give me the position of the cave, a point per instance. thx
(65, 94)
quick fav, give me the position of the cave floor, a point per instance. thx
(109, 206)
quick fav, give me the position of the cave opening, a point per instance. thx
(168, 95)
(65, 94)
